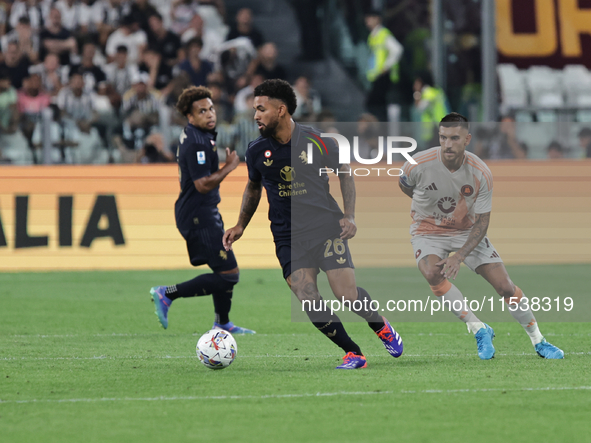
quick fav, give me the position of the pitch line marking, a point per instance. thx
(283, 396)
(149, 357)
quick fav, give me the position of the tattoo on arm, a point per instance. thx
(250, 202)
(477, 233)
(349, 194)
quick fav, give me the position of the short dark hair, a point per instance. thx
(190, 95)
(156, 14)
(279, 90)
(453, 120)
(584, 133)
(122, 49)
(194, 41)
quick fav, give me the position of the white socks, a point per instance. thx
(454, 299)
(525, 317)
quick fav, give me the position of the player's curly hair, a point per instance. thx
(280, 90)
(190, 95)
(455, 119)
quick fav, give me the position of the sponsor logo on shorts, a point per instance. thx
(495, 255)
(418, 253)
(224, 255)
(467, 190)
(341, 260)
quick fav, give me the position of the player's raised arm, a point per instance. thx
(210, 182)
(250, 202)
(349, 229)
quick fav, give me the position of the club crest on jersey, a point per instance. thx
(201, 157)
(467, 190)
(267, 154)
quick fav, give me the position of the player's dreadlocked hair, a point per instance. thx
(454, 119)
(280, 90)
(190, 95)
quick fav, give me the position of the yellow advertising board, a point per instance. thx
(122, 217)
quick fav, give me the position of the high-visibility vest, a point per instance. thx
(434, 112)
(379, 54)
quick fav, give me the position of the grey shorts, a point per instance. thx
(441, 246)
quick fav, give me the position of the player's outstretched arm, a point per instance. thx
(407, 191)
(451, 265)
(250, 202)
(348, 226)
(207, 184)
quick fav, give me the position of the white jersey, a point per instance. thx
(445, 203)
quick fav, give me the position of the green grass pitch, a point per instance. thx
(82, 358)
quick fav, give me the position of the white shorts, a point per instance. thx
(441, 246)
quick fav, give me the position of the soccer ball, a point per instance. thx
(216, 349)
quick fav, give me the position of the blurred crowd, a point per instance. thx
(100, 78)
(96, 81)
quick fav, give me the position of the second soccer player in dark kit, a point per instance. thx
(310, 231)
(197, 215)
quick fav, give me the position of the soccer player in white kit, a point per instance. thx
(451, 192)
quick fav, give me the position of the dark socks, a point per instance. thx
(374, 320)
(220, 286)
(331, 326)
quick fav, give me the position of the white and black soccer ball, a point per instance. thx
(216, 349)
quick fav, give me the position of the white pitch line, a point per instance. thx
(418, 334)
(149, 357)
(283, 396)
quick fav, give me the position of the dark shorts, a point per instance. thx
(326, 255)
(205, 248)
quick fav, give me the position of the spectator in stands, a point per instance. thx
(555, 150)
(31, 101)
(120, 73)
(91, 73)
(197, 69)
(235, 59)
(244, 128)
(309, 103)
(163, 41)
(243, 27)
(107, 15)
(129, 34)
(9, 116)
(77, 109)
(141, 10)
(55, 39)
(221, 103)
(160, 73)
(430, 106)
(585, 141)
(154, 150)
(139, 111)
(241, 103)
(51, 72)
(368, 129)
(383, 71)
(503, 143)
(75, 16)
(16, 64)
(181, 14)
(36, 11)
(23, 35)
(266, 64)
